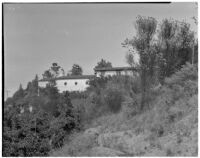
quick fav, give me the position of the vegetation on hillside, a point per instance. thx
(150, 114)
(37, 120)
(168, 127)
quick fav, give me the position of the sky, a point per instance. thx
(36, 35)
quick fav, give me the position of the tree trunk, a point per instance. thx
(143, 86)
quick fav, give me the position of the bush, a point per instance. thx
(130, 106)
(36, 132)
(87, 110)
(128, 84)
(107, 93)
(27, 135)
(113, 98)
(78, 95)
(188, 72)
(184, 82)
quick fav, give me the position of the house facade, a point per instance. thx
(81, 82)
(69, 83)
(127, 71)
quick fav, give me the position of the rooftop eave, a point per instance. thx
(69, 78)
(115, 69)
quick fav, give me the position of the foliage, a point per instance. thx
(24, 135)
(175, 46)
(188, 73)
(53, 72)
(183, 83)
(129, 85)
(130, 59)
(47, 75)
(19, 93)
(162, 53)
(143, 43)
(107, 93)
(113, 98)
(77, 94)
(35, 132)
(76, 70)
(103, 64)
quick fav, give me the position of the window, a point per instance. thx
(87, 82)
(76, 83)
(65, 83)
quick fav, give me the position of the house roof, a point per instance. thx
(114, 69)
(70, 77)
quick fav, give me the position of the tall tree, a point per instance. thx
(19, 93)
(76, 70)
(103, 64)
(143, 42)
(186, 43)
(168, 46)
(176, 42)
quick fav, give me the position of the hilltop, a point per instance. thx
(169, 127)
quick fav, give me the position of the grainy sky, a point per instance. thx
(36, 35)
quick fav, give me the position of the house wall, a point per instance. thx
(70, 84)
(111, 73)
(127, 72)
(42, 84)
(106, 73)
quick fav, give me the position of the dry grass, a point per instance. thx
(169, 126)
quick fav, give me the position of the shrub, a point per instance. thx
(113, 98)
(169, 152)
(36, 132)
(130, 106)
(78, 95)
(187, 73)
(27, 135)
(86, 110)
(128, 84)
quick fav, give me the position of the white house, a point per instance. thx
(115, 71)
(69, 83)
(80, 83)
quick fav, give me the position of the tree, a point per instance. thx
(130, 59)
(103, 64)
(186, 43)
(168, 47)
(195, 17)
(54, 72)
(47, 75)
(143, 43)
(176, 43)
(35, 133)
(32, 87)
(19, 93)
(76, 70)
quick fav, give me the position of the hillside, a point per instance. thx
(169, 127)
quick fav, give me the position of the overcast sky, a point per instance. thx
(36, 35)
